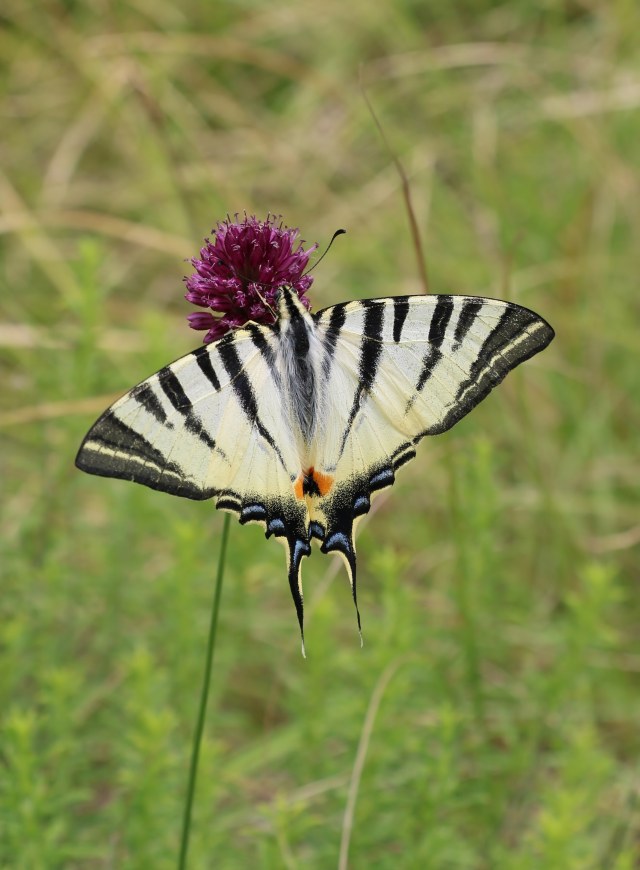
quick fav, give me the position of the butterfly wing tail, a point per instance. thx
(341, 542)
(296, 550)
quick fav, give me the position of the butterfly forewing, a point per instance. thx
(438, 355)
(187, 429)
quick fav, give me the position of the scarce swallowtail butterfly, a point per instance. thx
(297, 425)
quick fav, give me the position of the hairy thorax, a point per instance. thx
(301, 363)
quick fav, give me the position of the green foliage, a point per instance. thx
(498, 578)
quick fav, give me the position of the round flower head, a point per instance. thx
(240, 271)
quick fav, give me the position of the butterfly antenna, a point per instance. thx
(326, 250)
(266, 304)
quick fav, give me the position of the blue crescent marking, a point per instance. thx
(316, 530)
(254, 512)
(275, 526)
(342, 540)
(381, 476)
(300, 546)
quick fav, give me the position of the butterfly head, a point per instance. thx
(290, 307)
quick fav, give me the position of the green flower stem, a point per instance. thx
(204, 696)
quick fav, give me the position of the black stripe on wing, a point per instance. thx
(113, 449)
(470, 310)
(400, 310)
(146, 396)
(337, 318)
(371, 347)
(174, 391)
(440, 320)
(432, 357)
(261, 343)
(244, 391)
(370, 352)
(437, 331)
(518, 335)
(203, 358)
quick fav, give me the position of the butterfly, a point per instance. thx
(297, 425)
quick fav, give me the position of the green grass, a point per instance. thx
(498, 578)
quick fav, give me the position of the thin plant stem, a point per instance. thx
(406, 194)
(204, 696)
(361, 755)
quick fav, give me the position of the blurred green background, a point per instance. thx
(494, 708)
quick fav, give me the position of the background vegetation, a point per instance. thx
(494, 710)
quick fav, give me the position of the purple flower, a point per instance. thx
(241, 270)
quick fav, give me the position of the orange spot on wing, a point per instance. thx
(324, 482)
(297, 486)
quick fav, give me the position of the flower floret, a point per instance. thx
(241, 270)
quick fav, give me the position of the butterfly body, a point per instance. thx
(298, 424)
